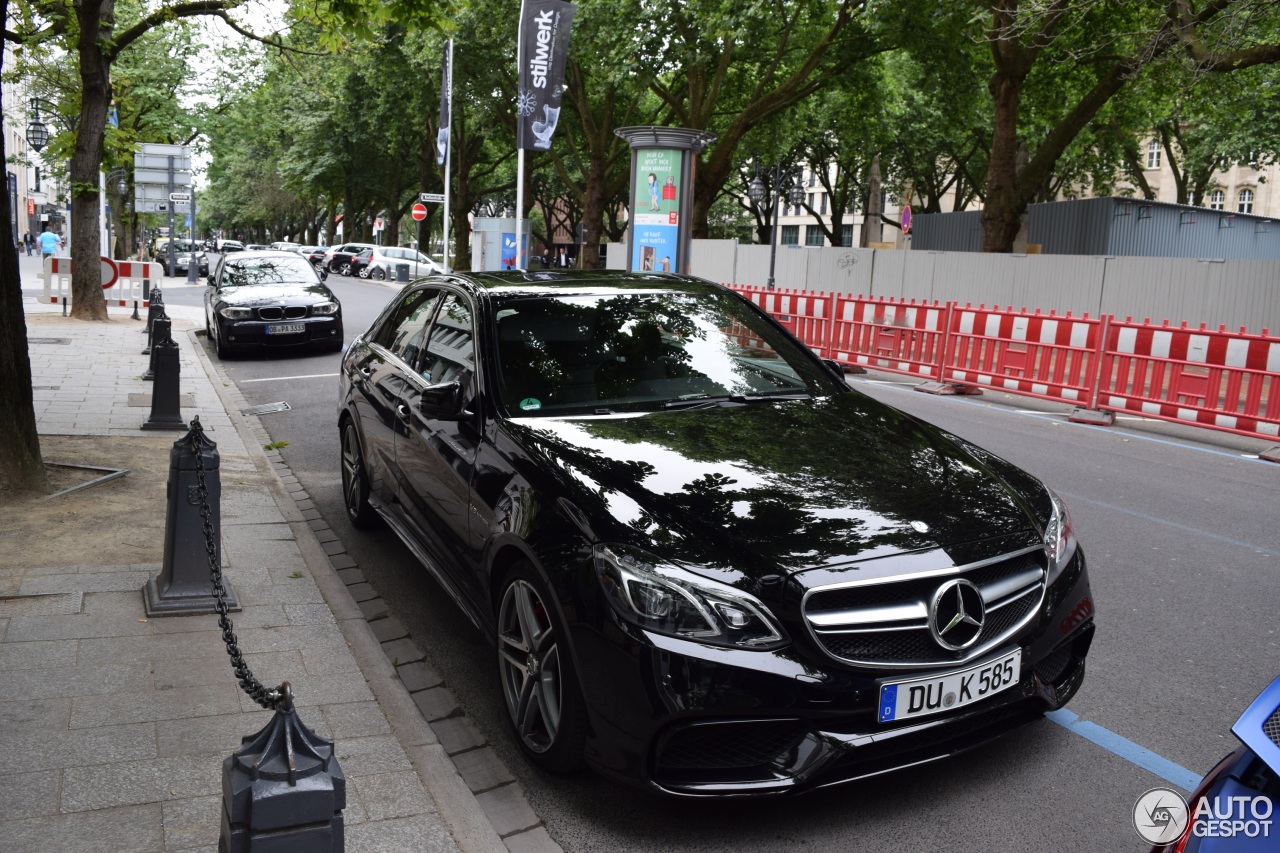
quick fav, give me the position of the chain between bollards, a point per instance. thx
(269, 699)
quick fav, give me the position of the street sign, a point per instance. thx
(179, 196)
(419, 212)
(906, 219)
(162, 149)
(182, 207)
(181, 177)
(110, 272)
(146, 205)
(377, 224)
(435, 198)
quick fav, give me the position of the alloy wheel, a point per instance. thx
(355, 489)
(529, 666)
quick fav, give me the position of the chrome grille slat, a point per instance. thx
(885, 624)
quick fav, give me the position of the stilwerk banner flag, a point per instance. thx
(446, 92)
(544, 34)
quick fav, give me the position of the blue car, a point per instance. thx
(1234, 809)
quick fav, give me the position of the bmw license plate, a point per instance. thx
(920, 697)
(290, 329)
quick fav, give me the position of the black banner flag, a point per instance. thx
(545, 52)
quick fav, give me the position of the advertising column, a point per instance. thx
(662, 172)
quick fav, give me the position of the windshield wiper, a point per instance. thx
(703, 401)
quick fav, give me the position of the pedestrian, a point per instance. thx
(50, 243)
(29, 242)
(562, 260)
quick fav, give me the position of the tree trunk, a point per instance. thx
(1002, 214)
(20, 464)
(97, 20)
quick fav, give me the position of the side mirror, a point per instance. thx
(836, 367)
(441, 402)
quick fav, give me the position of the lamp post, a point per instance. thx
(117, 181)
(758, 192)
(37, 134)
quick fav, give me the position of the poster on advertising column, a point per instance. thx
(656, 210)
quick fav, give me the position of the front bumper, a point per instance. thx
(318, 331)
(688, 720)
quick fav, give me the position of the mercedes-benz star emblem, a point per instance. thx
(956, 614)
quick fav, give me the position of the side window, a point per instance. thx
(406, 329)
(451, 347)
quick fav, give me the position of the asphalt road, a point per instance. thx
(1179, 527)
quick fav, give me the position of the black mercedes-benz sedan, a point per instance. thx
(707, 565)
(259, 299)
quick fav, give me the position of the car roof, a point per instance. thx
(566, 282)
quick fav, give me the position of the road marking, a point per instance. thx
(1239, 543)
(1126, 749)
(279, 378)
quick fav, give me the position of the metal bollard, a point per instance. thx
(135, 311)
(161, 332)
(283, 790)
(154, 309)
(184, 586)
(402, 272)
(165, 392)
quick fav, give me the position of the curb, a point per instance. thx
(477, 796)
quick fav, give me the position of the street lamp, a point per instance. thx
(116, 180)
(759, 192)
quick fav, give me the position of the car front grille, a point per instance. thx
(293, 312)
(1271, 728)
(886, 624)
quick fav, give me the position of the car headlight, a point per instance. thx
(1059, 536)
(324, 309)
(236, 313)
(666, 599)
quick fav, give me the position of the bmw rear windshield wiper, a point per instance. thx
(702, 401)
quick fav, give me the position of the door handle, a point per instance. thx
(402, 411)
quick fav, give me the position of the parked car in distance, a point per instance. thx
(284, 246)
(709, 566)
(185, 253)
(227, 246)
(256, 247)
(257, 299)
(1243, 787)
(380, 262)
(315, 254)
(338, 258)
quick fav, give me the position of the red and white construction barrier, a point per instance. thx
(122, 281)
(1213, 378)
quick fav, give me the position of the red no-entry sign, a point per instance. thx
(419, 212)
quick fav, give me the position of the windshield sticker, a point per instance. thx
(529, 403)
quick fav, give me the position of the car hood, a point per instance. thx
(253, 295)
(780, 486)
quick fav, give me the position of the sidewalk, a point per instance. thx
(114, 726)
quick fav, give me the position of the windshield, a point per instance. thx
(638, 351)
(273, 270)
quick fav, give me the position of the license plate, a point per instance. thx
(920, 697)
(291, 329)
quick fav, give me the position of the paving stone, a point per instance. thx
(388, 629)
(400, 835)
(31, 750)
(342, 561)
(308, 614)
(362, 592)
(82, 583)
(374, 609)
(507, 809)
(127, 783)
(87, 680)
(39, 605)
(333, 548)
(311, 691)
(196, 822)
(131, 707)
(436, 703)
(157, 647)
(318, 524)
(482, 770)
(306, 503)
(329, 660)
(366, 756)
(211, 735)
(355, 719)
(457, 734)
(418, 675)
(392, 795)
(351, 576)
(35, 713)
(309, 514)
(216, 668)
(29, 794)
(38, 654)
(326, 535)
(402, 651)
(535, 840)
(136, 829)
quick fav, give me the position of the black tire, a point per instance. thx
(219, 348)
(355, 482)
(363, 273)
(345, 268)
(333, 266)
(536, 672)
